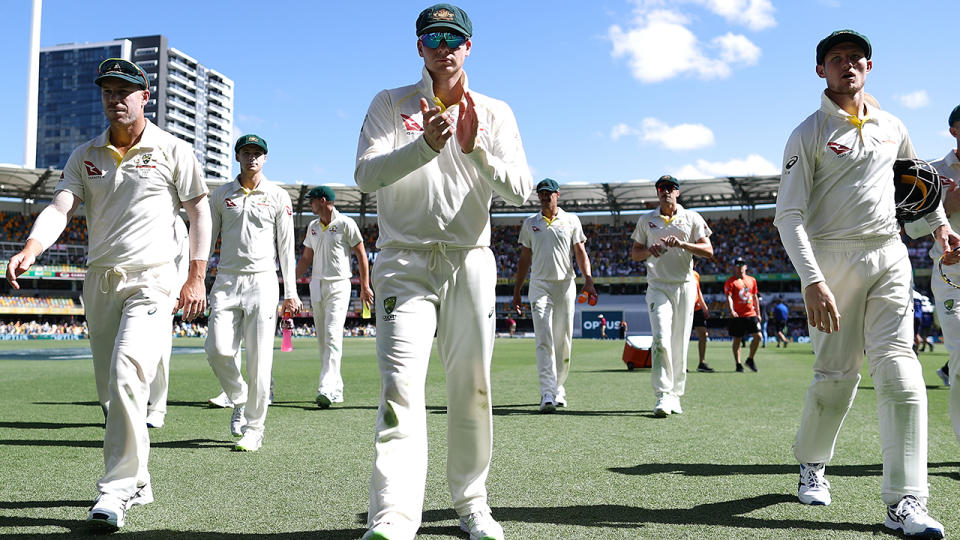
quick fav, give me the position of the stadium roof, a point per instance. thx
(743, 191)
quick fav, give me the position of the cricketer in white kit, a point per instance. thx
(836, 217)
(435, 152)
(327, 246)
(947, 297)
(133, 180)
(254, 219)
(666, 239)
(547, 238)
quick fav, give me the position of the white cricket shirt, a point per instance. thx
(837, 182)
(550, 244)
(133, 200)
(332, 246)
(255, 229)
(425, 198)
(675, 265)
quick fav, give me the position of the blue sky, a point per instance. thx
(603, 91)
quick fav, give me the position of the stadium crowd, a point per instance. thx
(36, 328)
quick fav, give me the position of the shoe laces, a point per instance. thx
(908, 505)
(812, 477)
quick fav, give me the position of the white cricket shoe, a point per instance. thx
(943, 377)
(481, 526)
(910, 516)
(237, 421)
(107, 513)
(143, 495)
(250, 442)
(663, 407)
(155, 419)
(221, 401)
(547, 405)
(813, 488)
(675, 405)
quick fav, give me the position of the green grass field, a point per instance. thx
(602, 468)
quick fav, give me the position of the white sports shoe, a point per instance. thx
(675, 405)
(237, 421)
(910, 516)
(221, 401)
(481, 526)
(143, 495)
(663, 407)
(943, 377)
(813, 488)
(250, 442)
(561, 397)
(155, 419)
(547, 405)
(107, 513)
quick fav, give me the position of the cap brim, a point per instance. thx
(842, 38)
(432, 27)
(138, 81)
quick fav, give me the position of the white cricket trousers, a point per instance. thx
(243, 307)
(671, 321)
(161, 382)
(329, 300)
(872, 285)
(453, 292)
(128, 314)
(552, 307)
(949, 317)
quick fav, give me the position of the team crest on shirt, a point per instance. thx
(92, 170)
(948, 304)
(333, 230)
(838, 148)
(410, 124)
(145, 161)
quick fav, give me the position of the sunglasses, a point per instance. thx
(434, 39)
(119, 65)
(666, 187)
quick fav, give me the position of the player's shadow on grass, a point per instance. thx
(618, 516)
(81, 403)
(192, 444)
(711, 469)
(49, 425)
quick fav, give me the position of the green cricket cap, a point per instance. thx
(954, 116)
(118, 68)
(668, 180)
(255, 140)
(840, 36)
(322, 192)
(548, 184)
(439, 16)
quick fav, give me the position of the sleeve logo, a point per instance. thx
(790, 163)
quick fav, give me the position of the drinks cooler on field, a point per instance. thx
(636, 352)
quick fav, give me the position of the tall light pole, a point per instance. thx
(33, 83)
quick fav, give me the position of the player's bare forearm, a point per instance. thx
(640, 252)
(700, 248)
(583, 261)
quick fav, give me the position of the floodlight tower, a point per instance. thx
(33, 82)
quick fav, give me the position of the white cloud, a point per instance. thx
(655, 31)
(752, 165)
(754, 14)
(679, 137)
(736, 48)
(621, 130)
(914, 100)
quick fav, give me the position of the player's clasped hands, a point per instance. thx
(438, 126)
(821, 307)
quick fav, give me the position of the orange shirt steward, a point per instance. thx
(742, 290)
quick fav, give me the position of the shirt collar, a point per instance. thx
(951, 159)
(426, 87)
(237, 187)
(828, 106)
(150, 137)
